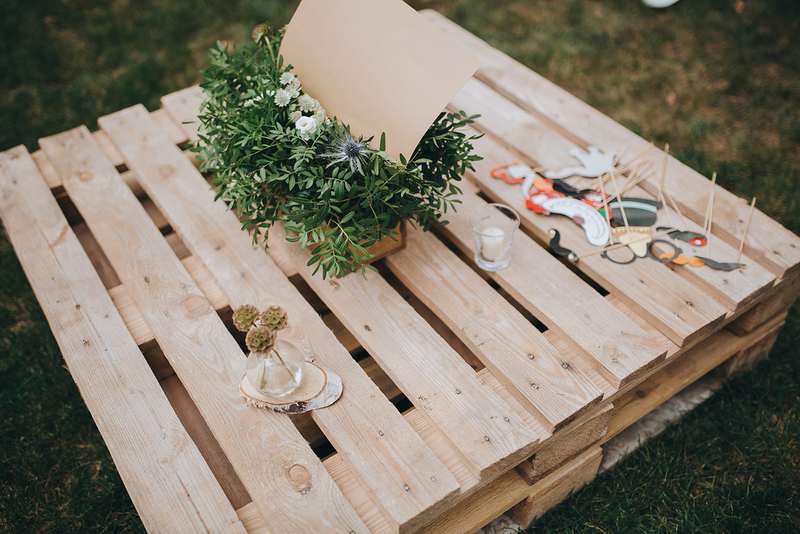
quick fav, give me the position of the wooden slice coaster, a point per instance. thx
(320, 388)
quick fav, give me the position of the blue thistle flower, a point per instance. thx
(347, 148)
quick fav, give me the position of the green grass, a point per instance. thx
(722, 87)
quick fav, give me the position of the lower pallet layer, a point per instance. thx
(566, 462)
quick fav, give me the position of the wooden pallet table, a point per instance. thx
(465, 393)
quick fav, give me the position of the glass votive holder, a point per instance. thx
(494, 226)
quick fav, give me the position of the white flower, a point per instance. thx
(287, 78)
(307, 104)
(253, 101)
(307, 127)
(294, 85)
(293, 91)
(320, 116)
(294, 116)
(282, 97)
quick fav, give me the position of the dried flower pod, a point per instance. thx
(260, 339)
(260, 34)
(244, 317)
(275, 318)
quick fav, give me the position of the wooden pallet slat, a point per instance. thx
(507, 121)
(666, 299)
(519, 355)
(481, 428)
(168, 481)
(398, 469)
(618, 348)
(292, 489)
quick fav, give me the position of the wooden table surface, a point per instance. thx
(452, 377)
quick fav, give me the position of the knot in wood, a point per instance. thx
(196, 306)
(166, 171)
(85, 176)
(299, 477)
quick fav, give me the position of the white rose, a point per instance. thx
(307, 126)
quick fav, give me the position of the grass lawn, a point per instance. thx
(717, 79)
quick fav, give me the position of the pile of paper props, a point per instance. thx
(616, 221)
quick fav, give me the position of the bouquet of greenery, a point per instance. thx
(276, 155)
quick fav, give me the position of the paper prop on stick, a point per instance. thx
(593, 164)
(639, 211)
(588, 218)
(377, 65)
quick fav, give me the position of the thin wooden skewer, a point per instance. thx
(746, 228)
(605, 209)
(620, 245)
(677, 209)
(621, 207)
(661, 185)
(710, 215)
(644, 160)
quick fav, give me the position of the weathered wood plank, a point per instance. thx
(540, 377)
(407, 481)
(557, 487)
(768, 243)
(669, 302)
(510, 489)
(169, 483)
(279, 470)
(618, 348)
(479, 425)
(183, 106)
(681, 371)
(564, 446)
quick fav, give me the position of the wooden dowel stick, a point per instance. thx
(661, 185)
(619, 201)
(605, 209)
(710, 215)
(677, 210)
(620, 245)
(746, 228)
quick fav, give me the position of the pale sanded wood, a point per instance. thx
(252, 519)
(169, 483)
(173, 131)
(407, 481)
(507, 491)
(681, 371)
(469, 483)
(669, 302)
(183, 107)
(748, 358)
(786, 292)
(767, 242)
(540, 377)
(209, 447)
(133, 317)
(479, 425)
(563, 446)
(99, 260)
(277, 467)
(47, 170)
(554, 489)
(615, 345)
(109, 150)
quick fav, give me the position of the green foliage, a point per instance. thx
(335, 193)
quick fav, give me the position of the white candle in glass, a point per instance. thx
(492, 240)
